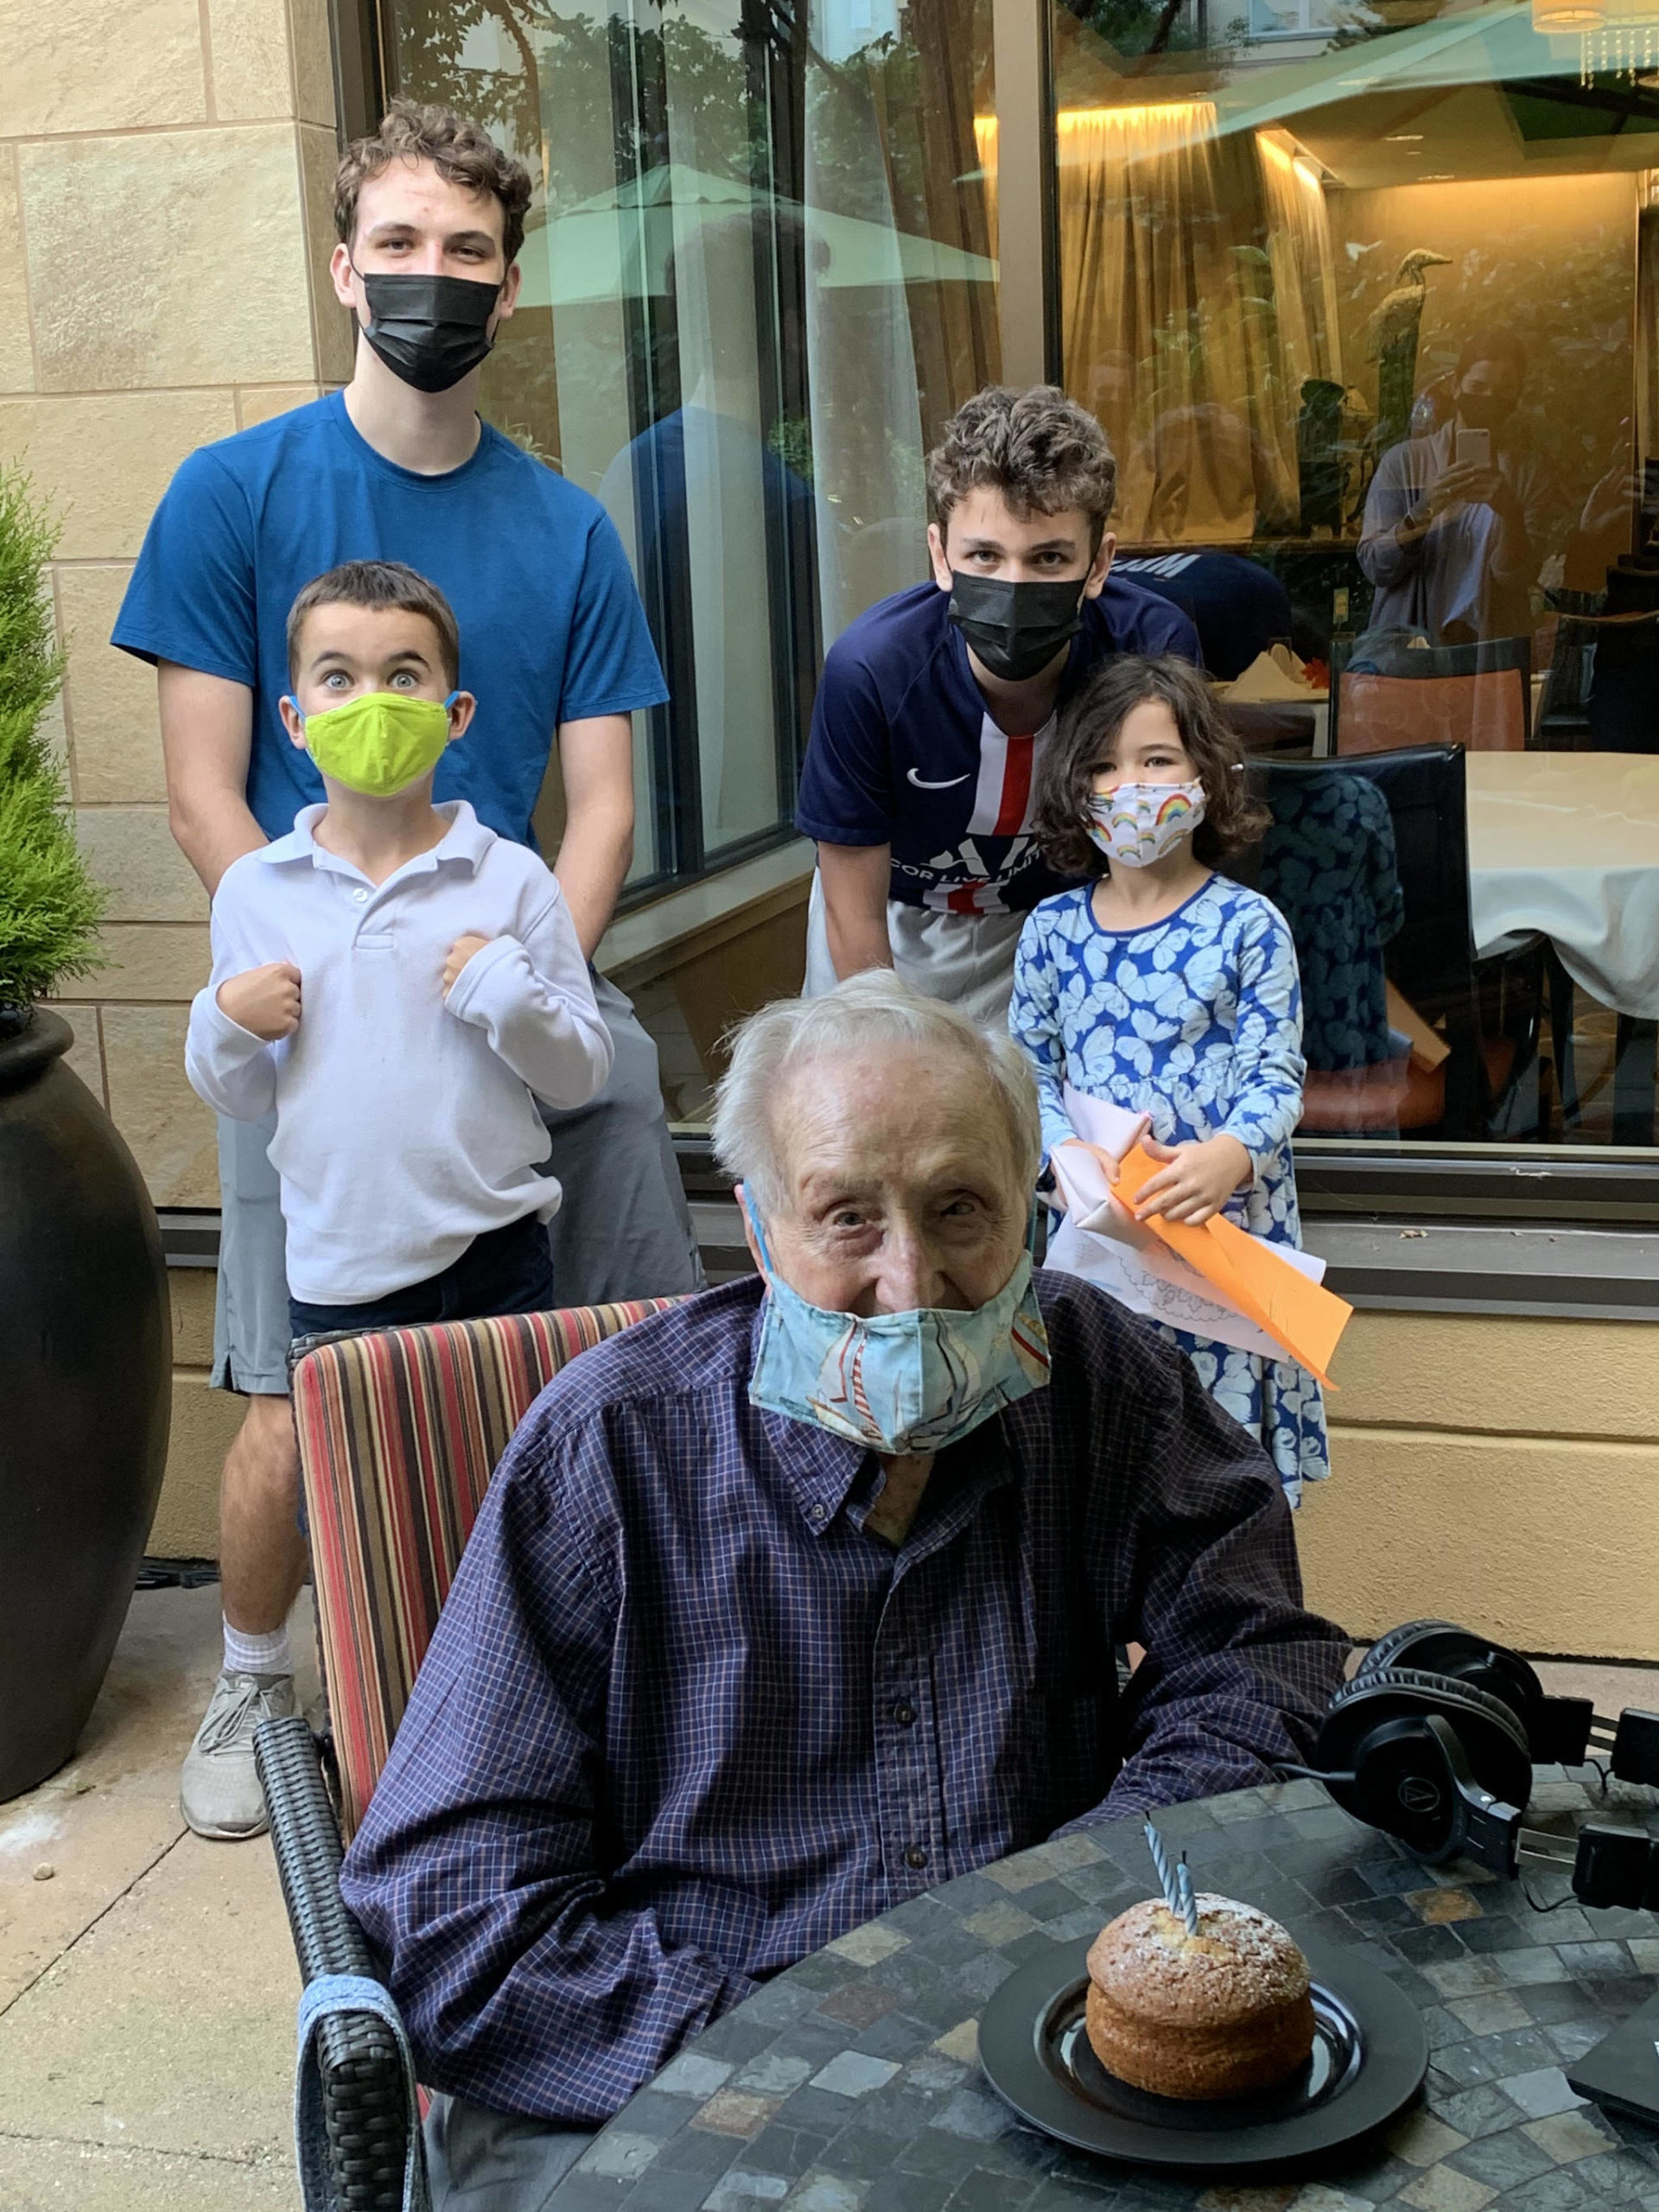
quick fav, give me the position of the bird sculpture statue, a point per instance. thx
(1391, 342)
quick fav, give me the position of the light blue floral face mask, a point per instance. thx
(897, 1382)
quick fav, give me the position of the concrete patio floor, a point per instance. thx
(148, 1985)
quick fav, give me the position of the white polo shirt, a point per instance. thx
(406, 1124)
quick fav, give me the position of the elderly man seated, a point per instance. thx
(803, 1595)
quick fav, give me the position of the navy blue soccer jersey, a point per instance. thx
(904, 753)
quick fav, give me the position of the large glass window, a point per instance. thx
(758, 277)
(1364, 292)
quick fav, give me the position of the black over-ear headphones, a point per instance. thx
(1435, 1740)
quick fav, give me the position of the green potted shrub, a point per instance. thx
(84, 1325)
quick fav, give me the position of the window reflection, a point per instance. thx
(1367, 297)
(757, 277)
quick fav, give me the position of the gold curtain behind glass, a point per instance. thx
(1197, 295)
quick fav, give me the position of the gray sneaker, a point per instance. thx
(219, 1793)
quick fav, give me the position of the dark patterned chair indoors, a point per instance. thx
(400, 1431)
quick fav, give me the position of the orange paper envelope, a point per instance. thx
(1304, 1317)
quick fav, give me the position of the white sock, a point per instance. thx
(256, 1654)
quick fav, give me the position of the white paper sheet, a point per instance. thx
(1099, 1241)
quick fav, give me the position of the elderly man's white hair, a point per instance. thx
(873, 1009)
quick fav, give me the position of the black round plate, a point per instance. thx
(1370, 2053)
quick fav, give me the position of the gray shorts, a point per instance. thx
(482, 2161)
(965, 959)
(623, 1229)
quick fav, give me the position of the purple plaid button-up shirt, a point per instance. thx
(683, 1720)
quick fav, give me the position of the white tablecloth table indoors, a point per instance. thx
(1566, 845)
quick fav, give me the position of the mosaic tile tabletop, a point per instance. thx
(850, 2083)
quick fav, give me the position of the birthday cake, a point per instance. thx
(1220, 2013)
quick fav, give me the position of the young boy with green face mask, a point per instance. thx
(397, 980)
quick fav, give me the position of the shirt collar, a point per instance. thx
(466, 840)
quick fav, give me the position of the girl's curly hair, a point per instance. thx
(1089, 722)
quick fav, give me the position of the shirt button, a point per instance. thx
(916, 1856)
(904, 1714)
(815, 1512)
(361, 897)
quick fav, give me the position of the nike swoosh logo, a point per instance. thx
(921, 785)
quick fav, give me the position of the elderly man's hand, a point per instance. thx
(1197, 1181)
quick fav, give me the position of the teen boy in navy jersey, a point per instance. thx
(431, 215)
(933, 704)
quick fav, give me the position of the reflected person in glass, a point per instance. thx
(801, 1596)
(1452, 532)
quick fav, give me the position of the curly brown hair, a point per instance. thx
(1089, 722)
(1039, 449)
(462, 153)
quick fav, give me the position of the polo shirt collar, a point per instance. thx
(465, 840)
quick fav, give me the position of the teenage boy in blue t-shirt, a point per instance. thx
(934, 704)
(399, 467)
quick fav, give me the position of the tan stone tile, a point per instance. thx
(148, 961)
(1482, 2015)
(131, 850)
(66, 446)
(1001, 1923)
(190, 1294)
(115, 739)
(962, 2042)
(335, 340)
(85, 1055)
(1443, 2189)
(87, 2177)
(313, 61)
(172, 1134)
(248, 45)
(258, 403)
(57, 739)
(183, 311)
(869, 1945)
(1435, 1907)
(98, 67)
(17, 359)
(1421, 2139)
(205, 1423)
(177, 2013)
(1566, 2136)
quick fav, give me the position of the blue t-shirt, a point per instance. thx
(552, 626)
(903, 752)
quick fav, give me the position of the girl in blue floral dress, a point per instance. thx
(1169, 990)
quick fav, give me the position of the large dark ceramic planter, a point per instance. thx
(84, 1393)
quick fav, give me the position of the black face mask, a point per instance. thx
(429, 330)
(1015, 629)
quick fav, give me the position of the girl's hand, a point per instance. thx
(1197, 1182)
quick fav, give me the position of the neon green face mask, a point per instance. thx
(380, 744)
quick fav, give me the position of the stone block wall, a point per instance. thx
(165, 174)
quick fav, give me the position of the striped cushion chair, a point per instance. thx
(400, 1431)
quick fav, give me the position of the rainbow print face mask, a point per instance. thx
(1139, 824)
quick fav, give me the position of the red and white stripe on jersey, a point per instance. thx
(1002, 800)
